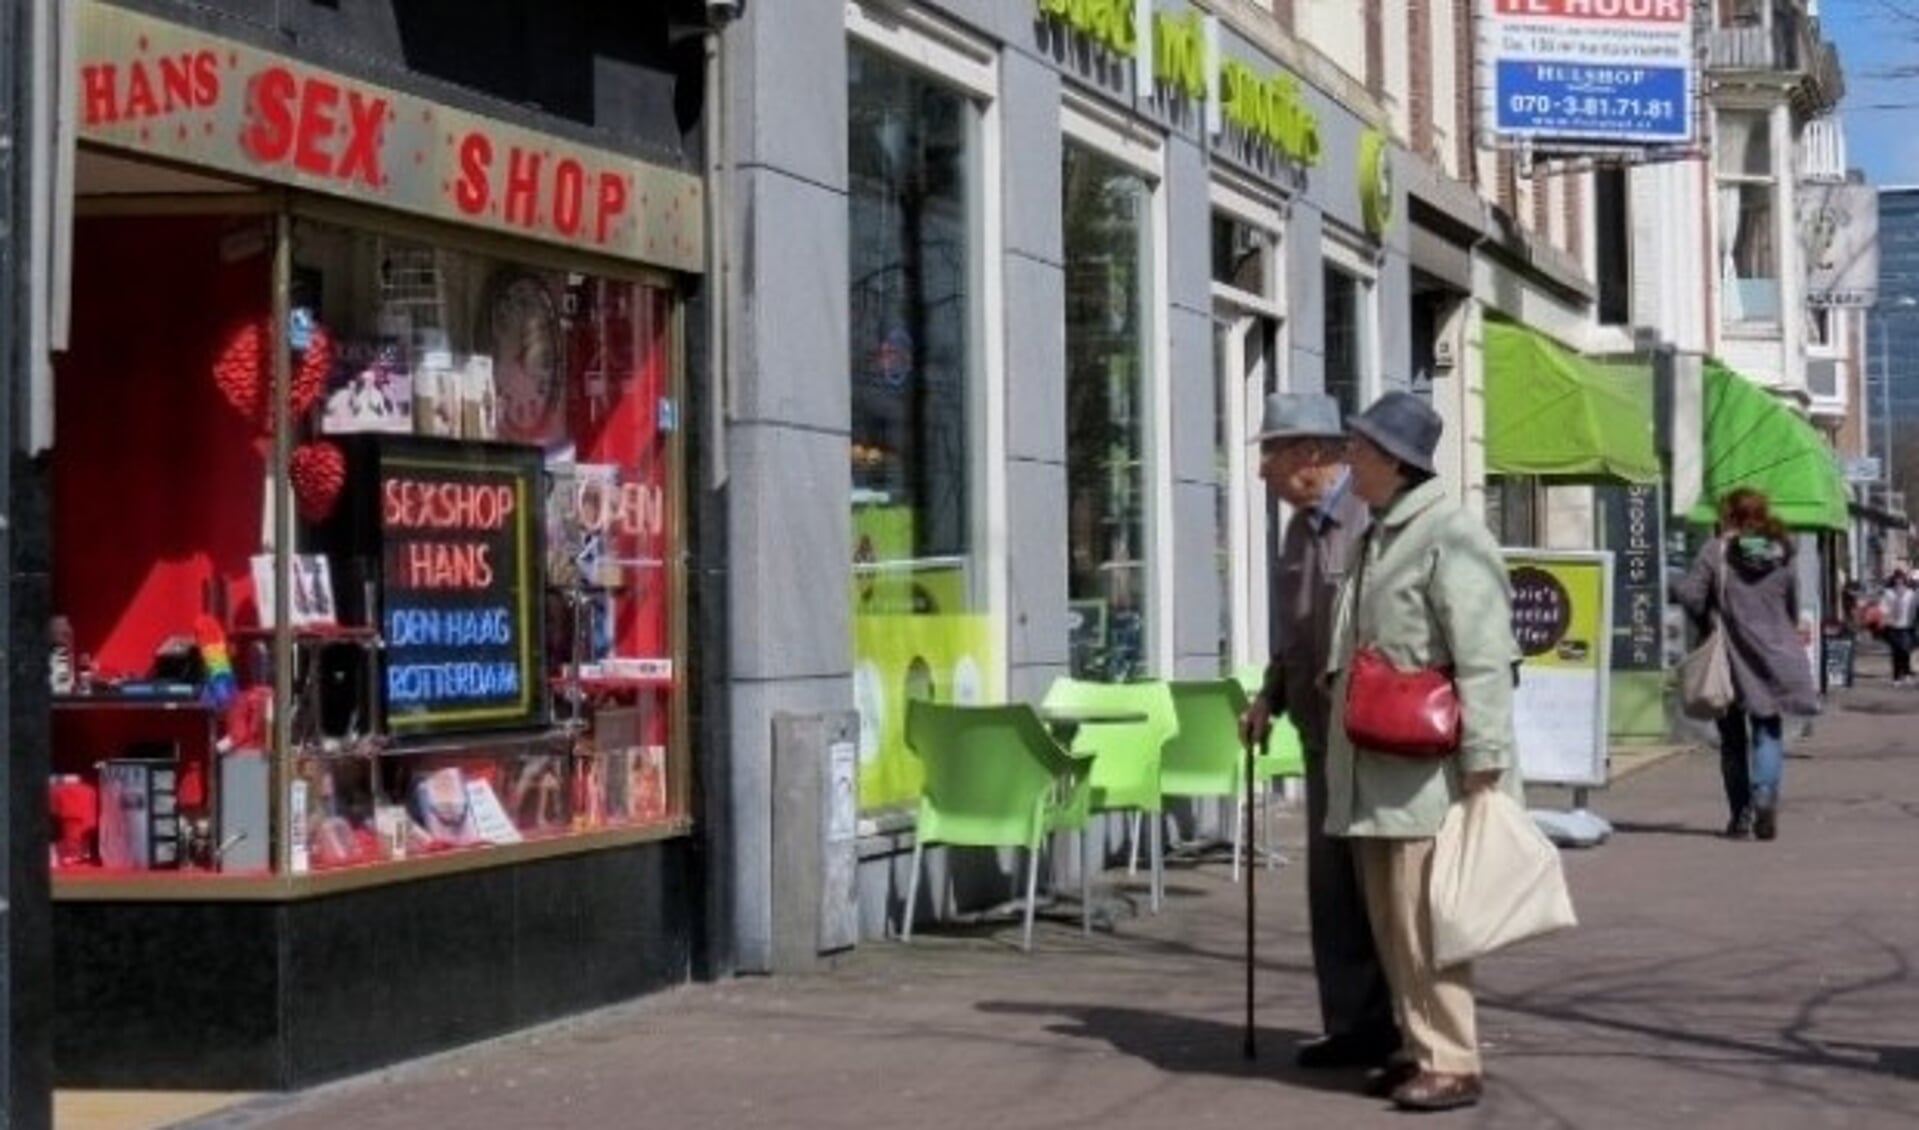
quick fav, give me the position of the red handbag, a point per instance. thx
(1388, 710)
(1405, 713)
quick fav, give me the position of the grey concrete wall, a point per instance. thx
(1035, 312)
(789, 527)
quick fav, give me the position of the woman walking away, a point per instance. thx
(1901, 604)
(1427, 593)
(1745, 578)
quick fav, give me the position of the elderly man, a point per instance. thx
(1301, 460)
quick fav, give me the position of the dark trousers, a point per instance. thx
(1900, 641)
(1751, 760)
(1354, 998)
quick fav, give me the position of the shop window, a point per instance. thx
(484, 642)
(1748, 187)
(463, 370)
(1108, 254)
(1245, 363)
(914, 160)
(1512, 509)
(1348, 324)
(1612, 245)
(1242, 255)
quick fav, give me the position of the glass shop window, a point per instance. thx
(485, 471)
(1108, 257)
(915, 206)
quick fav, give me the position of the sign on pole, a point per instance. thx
(1592, 73)
(1562, 621)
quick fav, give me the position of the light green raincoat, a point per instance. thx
(1435, 595)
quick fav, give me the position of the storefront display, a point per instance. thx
(368, 542)
(1108, 295)
(480, 640)
(915, 304)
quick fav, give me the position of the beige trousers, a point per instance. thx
(1434, 1007)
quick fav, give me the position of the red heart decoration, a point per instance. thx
(318, 473)
(243, 376)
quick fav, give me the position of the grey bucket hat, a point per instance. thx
(1403, 426)
(1301, 415)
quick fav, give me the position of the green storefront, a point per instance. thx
(1565, 419)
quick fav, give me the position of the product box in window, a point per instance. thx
(647, 792)
(139, 827)
(370, 388)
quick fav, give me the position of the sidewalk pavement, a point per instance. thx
(1711, 984)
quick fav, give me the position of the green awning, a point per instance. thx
(1753, 440)
(1554, 413)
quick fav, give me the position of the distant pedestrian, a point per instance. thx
(1900, 609)
(1302, 459)
(1428, 593)
(1745, 578)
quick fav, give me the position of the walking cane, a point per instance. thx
(1252, 875)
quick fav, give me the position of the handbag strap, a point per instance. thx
(1359, 580)
(1719, 583)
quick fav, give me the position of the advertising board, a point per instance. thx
(1593, 73)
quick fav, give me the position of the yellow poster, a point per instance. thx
(944, 658)
(1556, 610)
(1563, 625)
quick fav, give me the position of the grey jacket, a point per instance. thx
(1435, 595)
(1759, 608)
(1313, 562)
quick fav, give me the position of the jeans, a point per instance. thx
(1900, 641)
(1752, 758)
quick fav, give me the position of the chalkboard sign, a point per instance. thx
(448, 536)
(1632, 531)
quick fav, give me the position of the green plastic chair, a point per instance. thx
(994, 777)
(1125, 771)
(1203, 758)
(1284, 757)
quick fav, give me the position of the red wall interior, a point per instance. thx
(157, 478)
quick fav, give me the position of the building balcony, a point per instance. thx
(1822, 152)
(1777, 44)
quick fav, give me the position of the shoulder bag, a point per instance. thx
(1389, 710)
(1705, 674)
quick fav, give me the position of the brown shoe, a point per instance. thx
(1382, 1083)
(1434, 1090)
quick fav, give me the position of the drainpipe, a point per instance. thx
(709, 572)
(718, 246)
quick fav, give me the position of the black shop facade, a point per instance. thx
(368, 724)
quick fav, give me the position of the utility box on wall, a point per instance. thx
(815, 838)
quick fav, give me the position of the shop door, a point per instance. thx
(1244, 357)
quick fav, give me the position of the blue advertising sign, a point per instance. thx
(1628, 104)
(1607, 72)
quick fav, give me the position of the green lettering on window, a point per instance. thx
(1179, 53)
(1108, 23)
(1272, 109)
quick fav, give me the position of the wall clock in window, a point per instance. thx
(524, 323)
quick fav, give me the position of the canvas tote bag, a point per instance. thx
(1705, 674)
(1496, 880)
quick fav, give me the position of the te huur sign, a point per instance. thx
(1182, 56)
(178, 93)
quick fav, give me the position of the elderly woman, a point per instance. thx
(1429, 591)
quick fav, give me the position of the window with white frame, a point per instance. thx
(1110, 206)
(1748, 190)
(1247, 352)
(1350, 353)
(925, 377)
